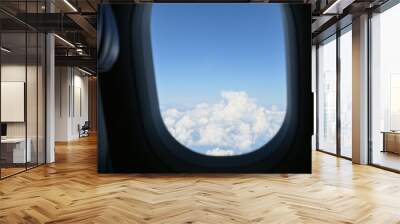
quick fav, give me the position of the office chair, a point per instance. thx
(84, 130)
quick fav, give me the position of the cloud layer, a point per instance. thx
(235, 125)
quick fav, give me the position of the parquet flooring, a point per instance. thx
(71, 191)
(5, 172)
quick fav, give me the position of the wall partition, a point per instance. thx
(22, 99)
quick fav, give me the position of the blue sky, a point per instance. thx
(200, 50)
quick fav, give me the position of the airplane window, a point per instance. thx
(221, 74)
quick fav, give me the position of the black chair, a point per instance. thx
(84, 130)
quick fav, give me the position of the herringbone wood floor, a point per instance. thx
(70, 191)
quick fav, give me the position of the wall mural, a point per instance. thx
(204, 87)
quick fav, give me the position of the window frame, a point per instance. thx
(284, 82)
(161, 138)
(336, 36)
(132, 136)
(378, 10)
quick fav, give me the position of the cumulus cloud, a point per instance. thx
(234, 125)
(220, 152)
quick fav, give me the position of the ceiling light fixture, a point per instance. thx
(337, 7)
(84, 71)
(327, 10)
(65, 41)
(5, 50)
(70, 5)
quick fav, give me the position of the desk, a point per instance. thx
(391, 141)
(13, 150)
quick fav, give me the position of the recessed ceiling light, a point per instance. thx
(5, 50)
(337, 7)
(70, 5)
(84, 71)
(64, 40)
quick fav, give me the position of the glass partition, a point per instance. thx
(346, 93)
(15, 152)
(385, 89)
(22, 88)
(327, 95)
(334, 94)
(31, 100)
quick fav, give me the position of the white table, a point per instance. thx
(19, 153)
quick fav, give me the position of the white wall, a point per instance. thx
(61, 103)
(81, 104)
(71, 102)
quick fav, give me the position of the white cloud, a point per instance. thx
(236, 124)
(220, 152)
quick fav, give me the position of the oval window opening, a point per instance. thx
(221, 74)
